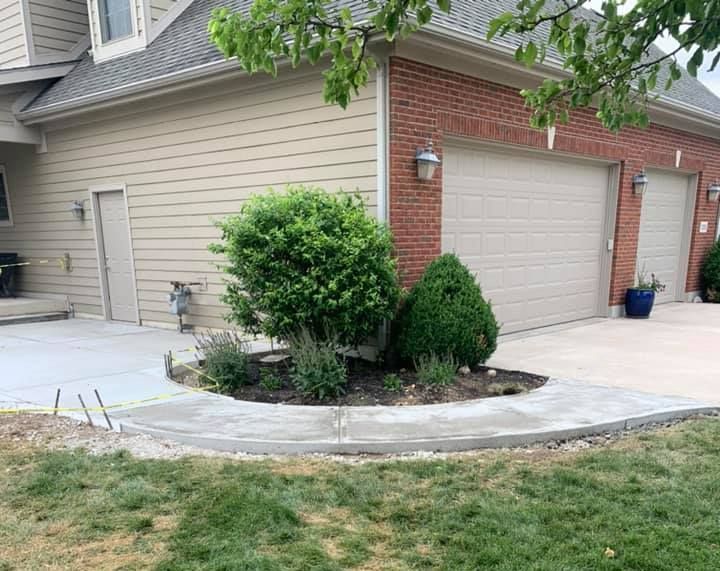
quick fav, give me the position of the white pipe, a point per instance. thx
(382, 142)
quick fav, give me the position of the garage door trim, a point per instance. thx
(613, 182)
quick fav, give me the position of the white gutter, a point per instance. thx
(107, 97)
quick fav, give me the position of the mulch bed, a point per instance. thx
(365, 386)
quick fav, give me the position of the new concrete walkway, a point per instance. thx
(559, 410)
(675, 352)
(124, 363)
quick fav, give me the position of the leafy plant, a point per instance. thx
(310, 258)
(644, 283)
(445, 314)
(270, 380)
(435, 370)
(711, 273)
(317, 370)
(226, 358)
(392, 383)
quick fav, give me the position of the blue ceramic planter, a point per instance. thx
(639, 303)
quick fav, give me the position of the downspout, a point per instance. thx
(382, 99)
(382, 141)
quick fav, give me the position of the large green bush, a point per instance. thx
(445, 314)
(307, 258)
(711, 273)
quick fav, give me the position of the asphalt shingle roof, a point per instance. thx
(184, 45)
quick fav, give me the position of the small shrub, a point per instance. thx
(316, 371)
(312, 258)
(445, 314)
(434, 370)
(392, 383)
(269, 380)
(711, 273)
(226, 359)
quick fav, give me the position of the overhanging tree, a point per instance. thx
(610, 56)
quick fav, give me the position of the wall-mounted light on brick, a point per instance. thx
(714, 192)
(427, 162)
(640, 183)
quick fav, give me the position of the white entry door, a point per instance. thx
(117, 262)
(533, 230)
(664, 233)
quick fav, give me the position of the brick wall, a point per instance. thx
(428, 102)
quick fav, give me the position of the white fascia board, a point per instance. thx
(36, 73)
(20, 134)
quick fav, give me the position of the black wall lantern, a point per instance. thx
(714, 192)
(640, 183)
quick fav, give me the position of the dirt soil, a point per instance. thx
(365, 386)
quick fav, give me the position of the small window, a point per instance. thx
(5, 213)
(115, 19)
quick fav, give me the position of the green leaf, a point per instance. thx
(530, 54)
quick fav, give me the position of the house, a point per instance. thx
(116, 160)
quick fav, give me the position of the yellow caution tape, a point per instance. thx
(23, 264)
(165, 396)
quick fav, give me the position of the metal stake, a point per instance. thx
(107, 418)
(57, 402)
(87, 414)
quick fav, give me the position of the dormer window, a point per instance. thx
(115, 19)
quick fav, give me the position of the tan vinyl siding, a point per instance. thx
(159, 7)
(58, 25)
(12, 35)
(7, 118)
(186, 160)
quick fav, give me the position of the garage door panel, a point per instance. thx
(662, 231)
(531, 230)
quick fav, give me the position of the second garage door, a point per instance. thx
(662, 245)
(532, 229)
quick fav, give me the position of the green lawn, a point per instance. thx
(653, 498)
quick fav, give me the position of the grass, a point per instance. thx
(653, 499)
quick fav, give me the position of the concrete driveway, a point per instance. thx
(675, 352)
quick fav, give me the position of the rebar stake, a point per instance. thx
(87, 414)
(57, 402)
(107, 418)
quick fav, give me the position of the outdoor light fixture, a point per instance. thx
(714, 192)
(640, 183)
(427, 161)
(78, 209)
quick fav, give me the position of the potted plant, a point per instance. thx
(639, 300)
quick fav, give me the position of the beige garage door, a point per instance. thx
(531, 228)
(663, 232)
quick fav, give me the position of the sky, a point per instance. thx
(710, 79)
